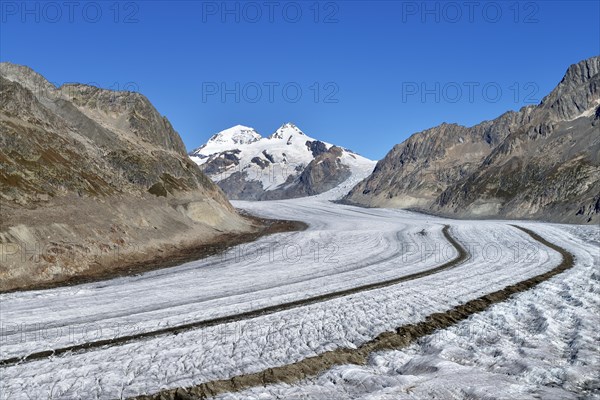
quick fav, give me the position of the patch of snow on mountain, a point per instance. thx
(589, 112)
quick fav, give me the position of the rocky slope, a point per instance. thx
(541, 162)
(93, 179)
(287, 164)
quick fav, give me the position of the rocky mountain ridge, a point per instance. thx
(541, 162)
(94, 179)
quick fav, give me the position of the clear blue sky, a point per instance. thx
(362, 67)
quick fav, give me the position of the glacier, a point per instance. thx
(539, 343)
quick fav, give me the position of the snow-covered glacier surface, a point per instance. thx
(541, 343)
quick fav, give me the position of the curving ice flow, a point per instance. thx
(273, 270)
(344, 247)
(541, 344)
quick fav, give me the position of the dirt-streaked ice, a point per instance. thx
(344, 247)
(541, 344)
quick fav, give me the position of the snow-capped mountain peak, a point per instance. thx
(238, 134)
(226, 139)
(286, 164)
(286, 131)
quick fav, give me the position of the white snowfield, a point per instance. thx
(344, 247)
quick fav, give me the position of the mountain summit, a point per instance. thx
(287, 130)
(286, 164)
(235, 135)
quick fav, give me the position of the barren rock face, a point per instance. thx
(108, 157)
(541, 162)
(92, 141)
(323, 173)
